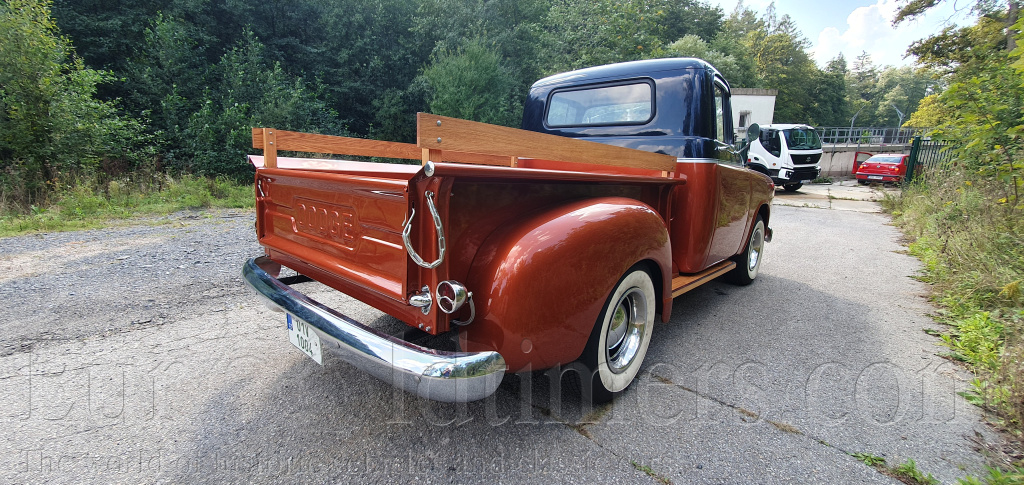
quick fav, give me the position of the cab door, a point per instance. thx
(733, 184)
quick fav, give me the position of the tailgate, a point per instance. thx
(347, 225)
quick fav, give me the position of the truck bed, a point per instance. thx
(341, 222)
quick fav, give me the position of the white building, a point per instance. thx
(751, 105)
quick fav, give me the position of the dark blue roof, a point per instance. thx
(631, 68)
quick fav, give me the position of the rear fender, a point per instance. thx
(540, 282)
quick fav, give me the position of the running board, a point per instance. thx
(683, 283)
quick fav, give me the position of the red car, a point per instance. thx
(888, 167)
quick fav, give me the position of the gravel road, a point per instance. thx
(136, 354)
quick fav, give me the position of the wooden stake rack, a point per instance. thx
(444, 139)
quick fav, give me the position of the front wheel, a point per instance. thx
(748, 263)
(792, 187)
(621, 335)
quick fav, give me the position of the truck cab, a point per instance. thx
(788, 153)
(680, 107)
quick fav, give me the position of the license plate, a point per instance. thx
(874, 177)
(805, 181)
(305, 339)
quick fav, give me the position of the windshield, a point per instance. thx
(888, 159)
(802, 139)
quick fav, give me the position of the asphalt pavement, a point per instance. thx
(128, 359)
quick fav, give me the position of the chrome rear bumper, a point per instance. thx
(433, 374)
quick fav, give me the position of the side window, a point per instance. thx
(770, 142)
(720, 113)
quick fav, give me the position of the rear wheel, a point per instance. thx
(748, 263)
(621, 335)
(792, 187)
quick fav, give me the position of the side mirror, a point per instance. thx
(753, 132)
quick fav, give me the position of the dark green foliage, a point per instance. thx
(52, 126)
(472, 84)
(184, 81)
(829, 106)
(247, 90)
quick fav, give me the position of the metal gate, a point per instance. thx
(928, 155)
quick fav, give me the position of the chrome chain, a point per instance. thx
(440, 235)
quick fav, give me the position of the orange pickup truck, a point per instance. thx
(531, 248)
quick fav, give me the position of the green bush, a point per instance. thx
(52, 126)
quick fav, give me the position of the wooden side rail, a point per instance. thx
(271, 141)
(444, 139)
(435, 132)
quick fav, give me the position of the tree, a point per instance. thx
(829, 106)
(498, 34)
(983, 106)
(247, 90)
(584, 33)
(984, 8)
(901, 88)
(780, 54)
(689, 17)
(693, 46)
(472, 83)
(52, 126)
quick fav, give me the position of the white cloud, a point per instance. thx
(869, 29)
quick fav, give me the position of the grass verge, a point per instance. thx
(971, 241)
(89, 204)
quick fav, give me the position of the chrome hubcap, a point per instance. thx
(756, 244)
(625, 330)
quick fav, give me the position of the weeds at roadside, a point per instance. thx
(907, 472)
(995, 476)
(89, 204)
(972, 246)
(869, 459)
(651, 473)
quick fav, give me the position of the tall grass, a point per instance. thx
(971, 241)
(91, 203)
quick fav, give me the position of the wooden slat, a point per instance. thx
(339, 145)
(470, 136)
(683, 283)
(269, 142)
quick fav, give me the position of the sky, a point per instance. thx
(856, 26)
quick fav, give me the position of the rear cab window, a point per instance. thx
(628, 103)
